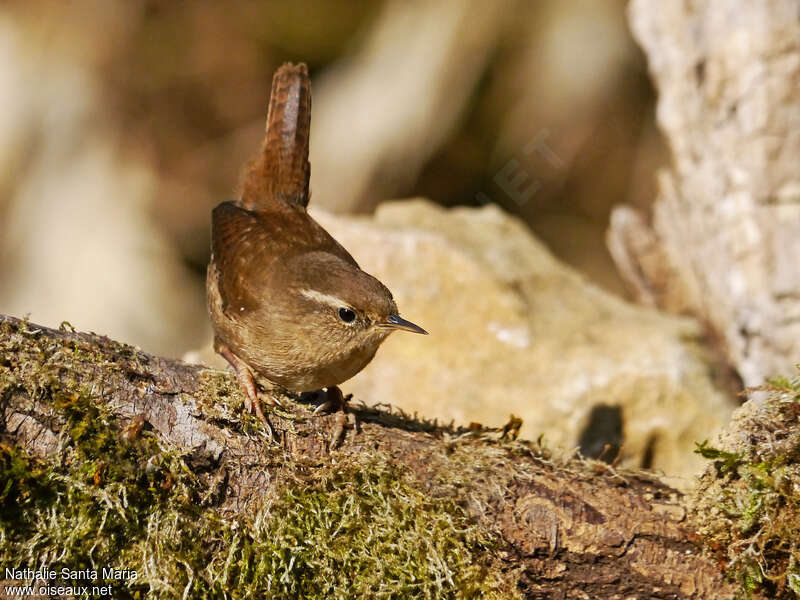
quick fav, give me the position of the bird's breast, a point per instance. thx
(312, 367)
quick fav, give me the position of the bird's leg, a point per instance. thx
(245, 377)
(334, 401)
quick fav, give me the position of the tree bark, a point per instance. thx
(725, 233)
(574, 529)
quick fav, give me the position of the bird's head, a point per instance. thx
(344, 305)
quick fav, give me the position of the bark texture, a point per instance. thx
(572, 530)
(725, 235)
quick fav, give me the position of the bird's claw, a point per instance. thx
(335, 401)
(245, 377)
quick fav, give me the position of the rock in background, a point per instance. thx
(513, 330)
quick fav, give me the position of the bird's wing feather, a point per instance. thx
(236, 237)
(252, 251)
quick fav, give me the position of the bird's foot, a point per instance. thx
(333, 400)
(252, 401)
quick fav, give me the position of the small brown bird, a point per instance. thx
(286, 299)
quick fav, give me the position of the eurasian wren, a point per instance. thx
(286, 299)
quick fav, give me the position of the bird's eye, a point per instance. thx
(347, 315)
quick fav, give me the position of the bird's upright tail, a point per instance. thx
(281, 171)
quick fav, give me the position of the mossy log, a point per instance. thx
(113, 457)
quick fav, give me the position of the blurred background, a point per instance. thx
(124, 122)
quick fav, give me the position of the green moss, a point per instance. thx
(724, 461)
(753, 498)
(361, 530)
(92, 511)
(24, 482)
(365, 531)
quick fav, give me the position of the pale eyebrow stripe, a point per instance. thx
(324, 298)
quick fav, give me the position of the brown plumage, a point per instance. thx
(280, 173)
(287, 300)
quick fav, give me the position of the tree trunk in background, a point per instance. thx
(724, 243)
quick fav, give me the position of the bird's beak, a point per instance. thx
(398, 322)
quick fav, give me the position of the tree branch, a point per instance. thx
(574, 529)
